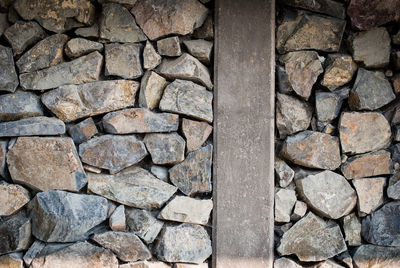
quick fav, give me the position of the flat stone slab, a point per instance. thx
(33, 126)
(19, 105)
(8, 75)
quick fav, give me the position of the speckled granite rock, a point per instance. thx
(32, 126)
(165, 148)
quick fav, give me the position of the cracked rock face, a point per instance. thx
(15, 233)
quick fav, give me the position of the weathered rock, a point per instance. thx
(160, 172)
(206, 31)
(23, 34)
(312, 239)
(169, 46)
(41, 126)
(284, 85)
(36, 247)
(375, 256)
(133, 187)
(283, 172)
(118, 25)
(395, 38)
(8, 75)
(393, 190)
(285, 263)
(188, 210)
(184, 243)
(123, 60)
(363, 132)
(284, 202)
(3, 23)
(117, 219)
(328, 104)
(196, 133)
(185, 265)
(352, 230)
(151, 90)
(79, 71)
(328, 264)
(368, 165)
(299, 210)
(328, 7)
(143, 224)
(328, 193)
(165, 148)
(12, 198)
(200, 49)
(194, 174)
(339, 71)
(186, 67)
(312, 149)
(59, 216)
(127, 246)
(345, 259)
(371, 91)
(3, 152)
(303, 69)
(19, 105)
(73, 102)
(370, 194)
(83, 131)
(112, 152)
(396, 84)
(15, 233)
(396, 60)
(13, 260)
(78, 47)
(139, 120)
(145, 264)
(292, 115)
(188, 98)
(88, 32)
(382, 226)
(151, 59)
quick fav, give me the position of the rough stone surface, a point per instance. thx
(73, 102)
(184, 243)
(123, 60)
(13, 260)
(370, 193)
(133, 187)
(143, 224)
(352, 230)
(169, 47)
(363, 132)
(33, 251)
(151, 59)
(12, 198)
(285, 263)
(160, 172)
(194, 174)
(117, 219)
(312, 239)
(41, 126)
(82, 131)
(3, 23)
(185, 265)
(196, 133)
(165, 148)
(188, 98)
(151, 90)
(284, 202)
(299, 210)
(206, 31)
(312, 149)
(19, 105)
(139, 120)
(375, 256)
(88, 32)
(327, 7)
(79, 71)
(284, 85)
(200, 49)
(15, 233)
(8, 75)
(23, 34)
(3, 153)
(78, 47)
(112, 152)
(339, 71)
(393, 190)
(328, 104)
(145, 264)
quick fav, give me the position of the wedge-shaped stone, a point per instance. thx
(59, 216)
(33, 251)
(393, 190)
(13, 260)
(46, 163)
(73, 102)
(78, 47)
(352, 230)
(88, 32)
(285, 199)
(143, 223)
(117, 219)
(8, 75)
(19, 105)
(23, 34)
(312, 239)
(151, 59)
(285, 263)
(339, 71)
(83, 131)
(193, 175)
(133, 187)
(145, 264)
(186, 67)
(328, 104)
(3, 153)
(201, 49)
(127, 246)
(328, 193)
(328, 7)
(283, 172)
(205, 31)
(79, 71)
(151, 90)
(40, 126)
(376, 256)
(312, 149)
(370, 193)
(158, 18)
(12, 198)
(188, 98)
(184, 243)
(123, 60)
(15, 233)
(165, 148)
(196, 133)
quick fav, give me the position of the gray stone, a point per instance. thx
(396, 134)
(79, 71)
(371, 91)
(370, 194)
(151, 90)
(328, 264)
(3, 152)
(184, 243)
(151, 59)
(188, 98)
(8, 75)
(59, 216)
(205, 31)
(185, 265)
(284, 202)
(73, 102)
(352, 230)
(143, 224)
(123, 60)
(193, 175)
(112, 152)
(327, 7)
(139, 120)
(134, 187)
(118, 25)
(165, 148)
(328, 104)
(145, 264)
(88, 32)
(78, 47)
(345, 259)
(284, 85)
(117, 219)
(3, 23)
(393, 190)
(339, 71)
(127, 246)
(376, 256)
(46, 163)
(160, 172)
(196, 133)
(23, 34)
(285, 263)
(169, 46)
(36, 247)
(186, 67)
(158, 18)
(327, 193)
(200, 49)
(40, 126)
(299, 210)
(12, 198)
(13, 260)
(19, 105)
(312, 239)
(15, 233)
(395, 38)
(82, 131)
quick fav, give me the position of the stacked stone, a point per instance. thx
(105, 123)
(337, 126)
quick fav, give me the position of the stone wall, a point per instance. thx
(105, 123)
(337, 120)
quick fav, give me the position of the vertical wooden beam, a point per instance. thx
(243, 217)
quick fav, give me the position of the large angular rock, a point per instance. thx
(363, 132)
(46, 163)
(151, 59)
(194, 174)
(370, 193)
(327, 7)
(19, 105)
(78, 47)
(200, 49)
(112, 152)
(73, 102)
(143, 224)
(188, 98)
(23, 34)
(284, 172)
(83, 131)
(46, 53)
(165, 149)
(352, 230)
(393, 190)
(133, 187)
(371, 91)
(40, 126)
(375, 256)
(12, 198)
(186, 67)
(8, 75)
(196, 133)
(339, 71)
(151, 90)
(328, 193)
(59, 216)
(285, 200)
(15, 233)
(328, 104)
(13, 260)
(127, 246)
(312, 149)
(182, 16)
(79, 71)
(123, 60)
(184, 243)
(169, 46)
(312, 239)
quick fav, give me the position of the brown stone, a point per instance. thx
(196, 133)
(151, 90)
(13, 260)
(145, 264)
(169, 46)
(370, 194)
(165, 148)
(367, 256)
(83, 131)
(12, 198)
(78, 47)
(328, 7)
(201, 49)
(123, 60)
(339, 71)
(151, 59)
(23, 34)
